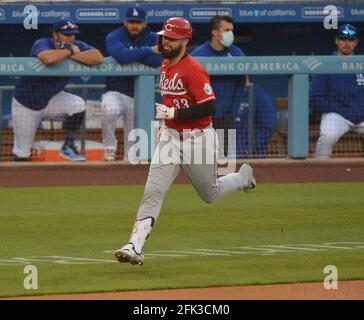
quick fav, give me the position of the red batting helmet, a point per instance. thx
(176, 28)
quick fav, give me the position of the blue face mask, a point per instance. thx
(227, 39)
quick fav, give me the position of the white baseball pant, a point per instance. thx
(25, 121)
(113, 105)
(332, 127)
(198, 157)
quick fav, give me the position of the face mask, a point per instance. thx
(227, 38)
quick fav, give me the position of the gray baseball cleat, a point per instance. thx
(128, 254)
(246, 171)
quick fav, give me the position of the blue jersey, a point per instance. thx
(124, 49)
(339, 93)
(224, 86)
(264, 121)
(35, 92)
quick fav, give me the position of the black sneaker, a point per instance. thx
(16, 158)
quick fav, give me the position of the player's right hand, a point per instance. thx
(164, 112)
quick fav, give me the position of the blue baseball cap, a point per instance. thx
(347, 31)
(136, 14)
(65, 26)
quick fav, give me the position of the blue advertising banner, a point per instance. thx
(262, 65)
(196, 13)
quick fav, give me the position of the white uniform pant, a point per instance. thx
(197, 155)
(332, 127)
(113, 105)
(25, 121)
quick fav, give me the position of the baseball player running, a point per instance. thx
(188, 105)
(37, 98)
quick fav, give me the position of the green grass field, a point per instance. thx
(69, 234)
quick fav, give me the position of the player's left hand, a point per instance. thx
(155, 50)
(164, 112)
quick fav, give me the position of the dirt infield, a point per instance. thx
(347, 290)
(14, 175)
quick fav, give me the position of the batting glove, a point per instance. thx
(164, 112)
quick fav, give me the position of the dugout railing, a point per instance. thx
(293, 134)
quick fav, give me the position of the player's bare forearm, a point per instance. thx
(90, 57)
(50, 57)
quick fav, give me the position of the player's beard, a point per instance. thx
(135, 34)
(172, 53)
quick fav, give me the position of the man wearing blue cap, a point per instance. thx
(37, 98)
(339, 97)
(133, 42)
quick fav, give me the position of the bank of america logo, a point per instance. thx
(36, 65)
(311, 63)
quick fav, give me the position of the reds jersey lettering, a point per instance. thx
(185, 85)
(171, 86)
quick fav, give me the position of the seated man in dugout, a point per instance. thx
(338, 97)
(36, 97)
(133, 42)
